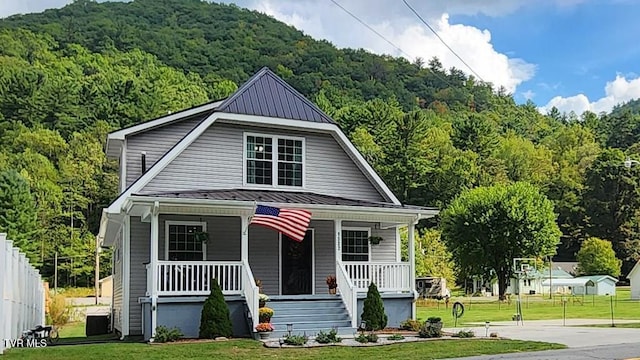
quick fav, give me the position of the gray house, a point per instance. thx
(189, 183)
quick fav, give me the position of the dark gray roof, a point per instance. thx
(266, 94)
(279, 197)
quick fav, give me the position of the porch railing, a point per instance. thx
(194, 277)
(251, 293)
(348, 293)
(387, 276)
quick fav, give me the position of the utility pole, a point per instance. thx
(55, 272)
(550, 285)
(97, 281)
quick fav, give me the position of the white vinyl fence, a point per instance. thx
(22, 294)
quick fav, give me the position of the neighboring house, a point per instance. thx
(634, 279)
(106, 287)
(602, 285)
(530, 283)
(570, 267)
(190, 182)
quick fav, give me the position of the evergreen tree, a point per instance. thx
(215, 320)
(18, 216)
(373, 311)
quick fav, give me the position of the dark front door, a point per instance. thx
(297, 265)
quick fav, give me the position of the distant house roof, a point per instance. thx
(266, 94)
(569, 282)
(599, 278)
(281, 197)
(569, 266)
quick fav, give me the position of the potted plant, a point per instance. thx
(332, 284)
(262, 300)
(201, 236)
(265, 314)
(375, 240)
(264, 330)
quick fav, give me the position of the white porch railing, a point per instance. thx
(348, 293)
(387, 276)
(251, 293)
(194, 277)
(22, 303)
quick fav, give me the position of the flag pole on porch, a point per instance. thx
(253, 212)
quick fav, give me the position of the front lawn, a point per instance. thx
(246, 349)
(534, 307)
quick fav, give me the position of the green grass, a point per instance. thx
(624, 325)
(75, 333)
(79, 292)
(249, 349)
(535, 307)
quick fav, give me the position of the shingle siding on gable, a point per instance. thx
(214, 161)
(155, 143)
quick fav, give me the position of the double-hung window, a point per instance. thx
(274, 160)
(182, 243)
(355, 244)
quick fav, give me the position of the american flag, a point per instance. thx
(290, 222)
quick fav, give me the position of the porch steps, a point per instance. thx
(309, 315)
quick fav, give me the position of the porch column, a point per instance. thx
(244, 239)
(412, 264)
(153, 254)
(337, 224)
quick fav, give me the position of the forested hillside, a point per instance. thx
(69, 76)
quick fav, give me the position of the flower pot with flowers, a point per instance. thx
(262, 300)
(332, 284)
(265, 314)
(264, 330)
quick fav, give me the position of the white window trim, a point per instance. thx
(187, 223)
(356, 228)
(274, 161)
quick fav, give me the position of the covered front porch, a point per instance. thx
(182, 263)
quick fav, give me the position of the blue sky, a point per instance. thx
(576, 55)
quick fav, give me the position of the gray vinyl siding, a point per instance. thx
(224, 235)
(264, 257)
(139, 252)
(385, 251)
(214, 161)
(155, 143)
(116, 300)
(325, 255)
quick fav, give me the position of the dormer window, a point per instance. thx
(274, 160)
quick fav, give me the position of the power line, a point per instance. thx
(385, 39)
(441, 40)
(371, 28)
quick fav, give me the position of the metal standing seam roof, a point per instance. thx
(279, 197)
(266, 94)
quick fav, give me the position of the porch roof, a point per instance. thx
(281, 197)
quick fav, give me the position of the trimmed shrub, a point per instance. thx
(297, 340)
(373, 310)
(164, 334)
(409, 324)
(465, 334)
(396, 337)
(215, 320)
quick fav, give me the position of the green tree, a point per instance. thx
(18, 216)
(596, 257)
(373, 310)
(215, 320)
(432, 256)
(487, 227)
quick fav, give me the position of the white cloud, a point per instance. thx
(400, 27)
(617, 91)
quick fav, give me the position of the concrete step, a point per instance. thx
(311, 324)
(319, 304)
(295, 318)
(309, 312)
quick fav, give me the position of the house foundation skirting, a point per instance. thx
(396, 306)
(184, 313)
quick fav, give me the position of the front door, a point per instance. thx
(296, 275)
